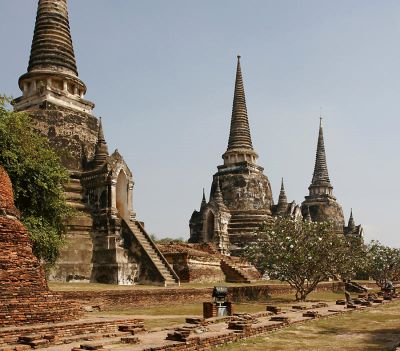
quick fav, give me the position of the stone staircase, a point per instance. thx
(236, 272)
(160, 264)
(75, 264)
(243, 224)
(74, 194)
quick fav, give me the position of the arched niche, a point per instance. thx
(209, 226)
(122, 195)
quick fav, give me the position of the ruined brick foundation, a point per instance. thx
(24, 294)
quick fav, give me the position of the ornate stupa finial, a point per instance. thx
(282, 201)
(282, 195)
(218, 194)
(101, 152)
(320, 184)
(52, 73)
(240, 147)
(203, 201)
(351, 225)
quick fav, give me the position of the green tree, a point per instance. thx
(169, 240)
(303, 254)
(38, 177)
(383, 263)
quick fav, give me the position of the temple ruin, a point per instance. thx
(105, 242)
(241, 197)
(320, 205)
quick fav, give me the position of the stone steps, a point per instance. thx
(156, 257)
(249, 230)
(250, 219)
(244, 225)
(233, 273)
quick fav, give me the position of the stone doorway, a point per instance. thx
(210, 226)
(122, 192)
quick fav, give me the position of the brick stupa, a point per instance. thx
(24, 295)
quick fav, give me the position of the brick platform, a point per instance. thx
(24, 295)
(68, 332)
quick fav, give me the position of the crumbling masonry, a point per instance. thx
(241, 197)
(106, 243)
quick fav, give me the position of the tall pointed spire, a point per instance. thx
(351, 225)
(101, 152)
(203, 201)
(282, 194)
(240, 146)
(52, 74)
(52, 43)
(239, 137)
(282, 201)
(218, 194)
(320, 183)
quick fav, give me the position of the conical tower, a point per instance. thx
(203, 200)
(240, 146)
(240, 188)
(320, 205)
(52, 91)
(52, 74)
(101, 152)
(320, 183)
(353, 229)
(282, 201)
(217, 197)
(351, 225)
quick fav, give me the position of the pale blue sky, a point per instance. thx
(162, 76)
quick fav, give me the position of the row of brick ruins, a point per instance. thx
(106, 243)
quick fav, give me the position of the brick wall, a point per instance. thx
(149, 297)
(24, 294)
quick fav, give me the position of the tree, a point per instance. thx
(168, 240)
(383, 263)
(38, 177)
(303, 254)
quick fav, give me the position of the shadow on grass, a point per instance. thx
(384, 339)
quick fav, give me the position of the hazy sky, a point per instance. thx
(161, 74)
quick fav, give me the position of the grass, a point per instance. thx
(284, 299)
(174, 310)
(167, 316)
(57, 286)
(370, 330)
(156, 323)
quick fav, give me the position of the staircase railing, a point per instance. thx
(155, 248)
(228, 266)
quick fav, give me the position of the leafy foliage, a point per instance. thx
(383, 263)
(168, 240)
(304, 253)
(37, 176)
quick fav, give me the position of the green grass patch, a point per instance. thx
(371, 330)
(176, 310)
(57, 286)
